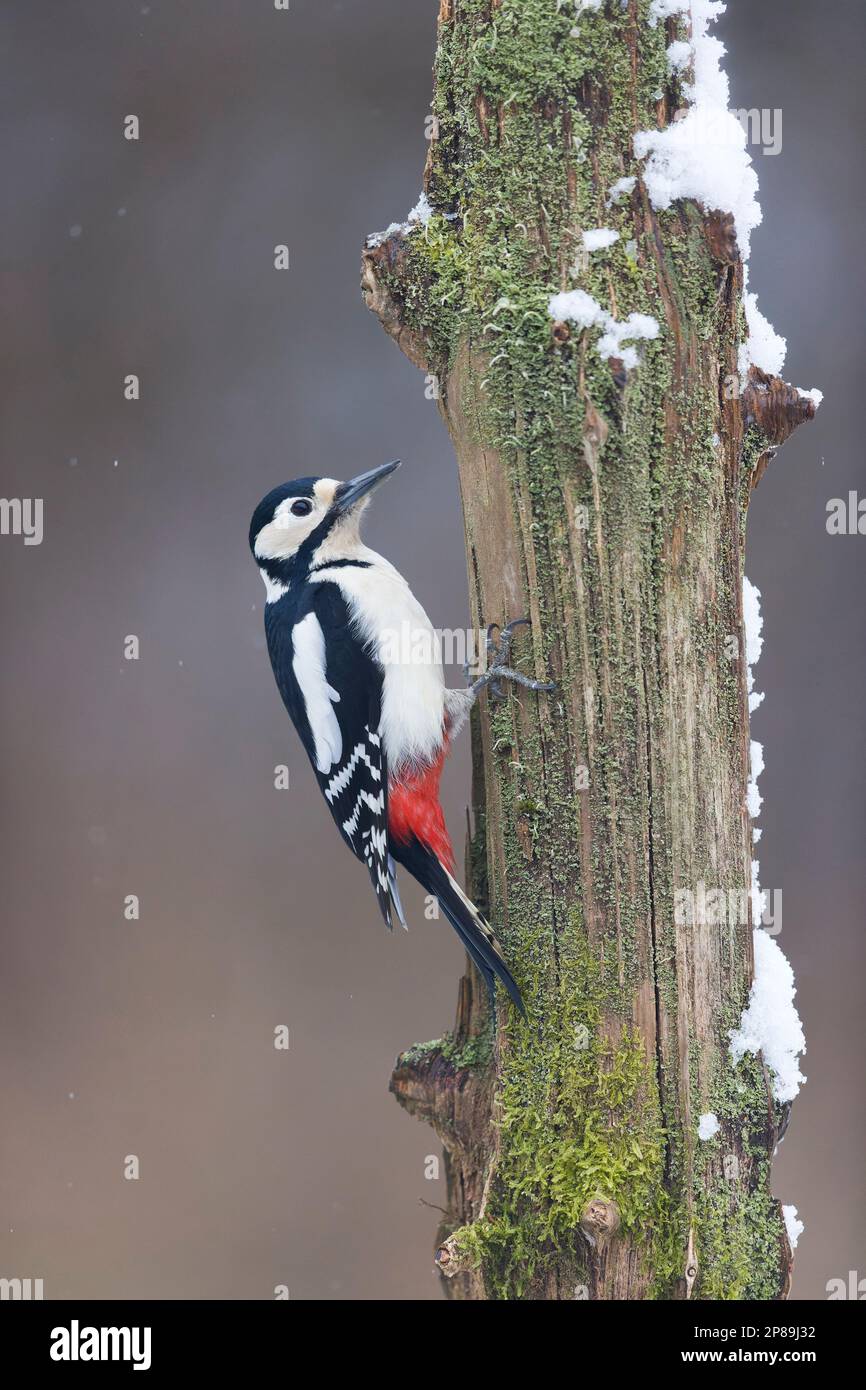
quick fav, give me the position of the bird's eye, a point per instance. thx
(302, 507)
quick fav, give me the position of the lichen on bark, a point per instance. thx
(609, 505)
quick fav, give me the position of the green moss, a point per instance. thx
(738, 1224)
(471, 1052)
(474, 1052)
(418, 1052)
(578, 1119)
(430, 286)
(468, 1246)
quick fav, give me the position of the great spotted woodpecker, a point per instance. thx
(375, 722)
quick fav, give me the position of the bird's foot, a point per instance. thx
(498, 669)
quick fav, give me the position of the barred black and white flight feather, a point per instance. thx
(356, 791)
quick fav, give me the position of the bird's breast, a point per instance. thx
(398, 634)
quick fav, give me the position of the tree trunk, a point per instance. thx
(607, 502)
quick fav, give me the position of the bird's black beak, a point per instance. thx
(349, 493)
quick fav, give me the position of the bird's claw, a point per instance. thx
(498, 652)
(501, 650)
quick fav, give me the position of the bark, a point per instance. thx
(609, 505)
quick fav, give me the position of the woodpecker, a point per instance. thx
(375, 723)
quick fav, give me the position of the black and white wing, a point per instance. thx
(357, 792)
(340, 689)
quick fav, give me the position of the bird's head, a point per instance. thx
(301, 522)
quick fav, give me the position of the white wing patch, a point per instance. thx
(309, 666)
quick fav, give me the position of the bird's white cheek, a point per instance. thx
(281, 539)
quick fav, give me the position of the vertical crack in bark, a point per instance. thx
(653, 924)
(557, 964)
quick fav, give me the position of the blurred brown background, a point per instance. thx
(155, 777)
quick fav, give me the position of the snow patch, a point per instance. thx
(815, 396)
(418, 217)
(754, 625)
(793, 1226)
(636, 327)
(619, 190)
(663, 9)
(679, 55)
(754, 800)
(599, 238)
(770, 1023)
(421, 212)
(704, 155)
(764, 348)
(579, 307)
(759, 898)
(708, 1126)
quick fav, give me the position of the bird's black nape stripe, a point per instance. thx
(341, 565)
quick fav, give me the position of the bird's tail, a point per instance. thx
(476, 934)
